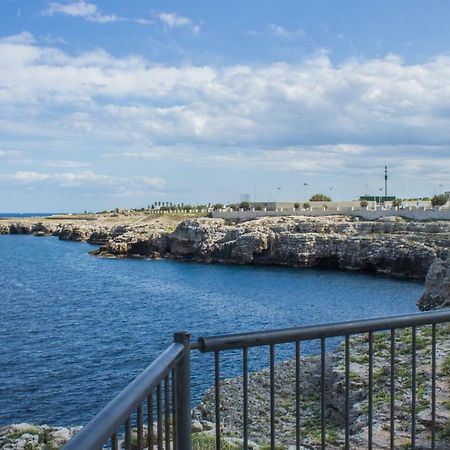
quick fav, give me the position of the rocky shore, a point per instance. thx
(25, 436)
(390, 246)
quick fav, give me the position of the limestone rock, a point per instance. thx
(437, 286)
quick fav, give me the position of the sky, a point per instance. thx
(116, 103)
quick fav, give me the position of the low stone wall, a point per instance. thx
(367, 214)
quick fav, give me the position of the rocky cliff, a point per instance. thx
(394, 248)
(389, 246)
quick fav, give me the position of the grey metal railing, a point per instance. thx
(168, 379)
(175, 363)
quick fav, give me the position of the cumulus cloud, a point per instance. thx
(313, 116)
(173, 20)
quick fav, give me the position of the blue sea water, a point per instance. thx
(23, 215)
(75, 329)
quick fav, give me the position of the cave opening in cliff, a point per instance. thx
(328, 263)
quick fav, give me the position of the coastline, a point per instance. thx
(390, 246)
(336, 243)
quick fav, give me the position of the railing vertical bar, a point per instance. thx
(128, 434)
(159, 416)
(174, 409)
(413, 386)
(322, 393)
(245, 396)
(167, 411)
(150, 438)
(297, 395)
(347, 392)
(183, 405)
(392, 390)
(370, 414)
(217, 396)
(114, 442)
(433, 386)
(140, 428)
(272, 396)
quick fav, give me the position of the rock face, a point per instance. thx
(437, 286)
(399, 249)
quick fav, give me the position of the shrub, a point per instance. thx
(320, 198)
(439, 200)
(364, 203)
(296, 205)
(306, 205)
(244, 205)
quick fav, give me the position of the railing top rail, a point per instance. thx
(282, 336)
(97, 432)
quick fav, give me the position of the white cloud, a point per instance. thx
(66, 164)
(24, 38)
(88, 11)
(282, 32)
(84, 180)
(350, 115)
(10, 154)
(173, 20)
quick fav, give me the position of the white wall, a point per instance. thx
(368, 214)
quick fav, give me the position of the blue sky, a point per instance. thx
(122, 103)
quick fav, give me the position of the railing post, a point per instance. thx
(183, 406)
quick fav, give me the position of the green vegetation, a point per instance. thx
(364, 203)
(28, 430)
(444, 432)
(202, 441)
(320, 198)
(439, 200)
(244, 205)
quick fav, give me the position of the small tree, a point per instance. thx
(296, 205)
(217, 206)
(306, 205)
(320, 198)
(244, 205)
(364, 203)
(439, 200)
(396, 202)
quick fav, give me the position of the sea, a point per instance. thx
(24, 215)
(76, 329)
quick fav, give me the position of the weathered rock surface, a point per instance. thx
(24, 436)
(437, 286)
(398, 248)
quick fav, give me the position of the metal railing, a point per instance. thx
(173, 425)
(167, 377)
